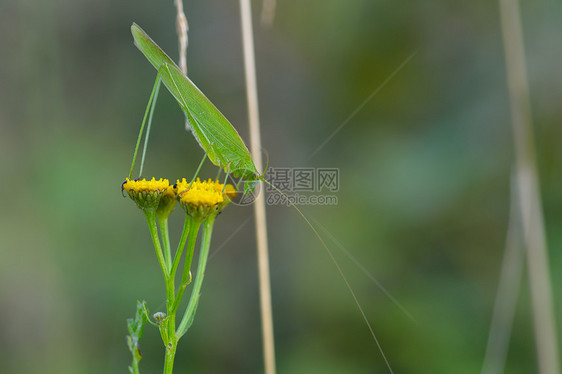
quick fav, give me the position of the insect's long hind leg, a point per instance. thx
(225, 180)
(147, 115)
(149, 126)
(198, 168)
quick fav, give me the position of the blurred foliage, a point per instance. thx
(424, 182)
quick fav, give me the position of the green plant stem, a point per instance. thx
(165, 234)
(150, 215)
(181, 246)
(170, 340)
(170, 356)
(194, 299)
(168, 327)
(170, 336)
(186, 276)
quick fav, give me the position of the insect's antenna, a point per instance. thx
(146, 113)
(218, 174)
(199, 167)
(362, 268)
(339, 270)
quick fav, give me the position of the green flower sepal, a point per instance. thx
(167, 203)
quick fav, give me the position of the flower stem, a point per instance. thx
(170, 356)
(181, 246)
(150, 215)
(164, 232)
(186, 276)
(194, 299)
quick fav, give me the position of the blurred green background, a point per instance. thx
(424, 182)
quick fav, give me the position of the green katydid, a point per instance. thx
(214, 133)
(218, 138)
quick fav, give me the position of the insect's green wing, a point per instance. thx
(212, 130)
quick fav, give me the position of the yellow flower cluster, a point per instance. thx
(206, 193)
(143, 185)
(146, 194)
(199, 196)
(200, 199)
